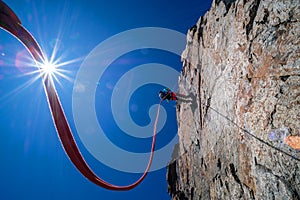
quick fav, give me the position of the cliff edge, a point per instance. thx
(239, 97)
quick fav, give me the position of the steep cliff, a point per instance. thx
(239, 97)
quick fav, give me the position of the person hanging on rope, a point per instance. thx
(167, 94)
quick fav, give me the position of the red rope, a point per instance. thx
(10, 22)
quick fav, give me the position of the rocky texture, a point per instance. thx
(239, 97)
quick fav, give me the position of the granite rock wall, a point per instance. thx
(239, 97)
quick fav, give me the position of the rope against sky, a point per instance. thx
(12, 24)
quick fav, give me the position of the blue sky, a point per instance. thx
(34, 165)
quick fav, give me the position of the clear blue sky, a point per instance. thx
(33, 163)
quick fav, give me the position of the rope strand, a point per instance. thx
(10, 23)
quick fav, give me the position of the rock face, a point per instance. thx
(239, 97)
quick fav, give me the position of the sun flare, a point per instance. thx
(48, 68)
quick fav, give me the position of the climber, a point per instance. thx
(167, 94)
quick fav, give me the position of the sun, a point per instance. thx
(48, 68)
(54, 69)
